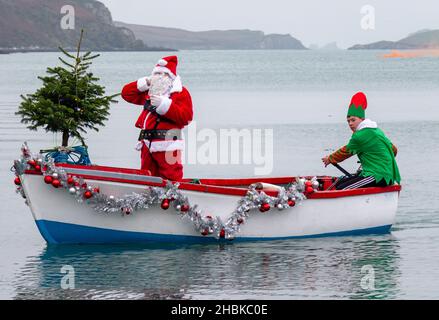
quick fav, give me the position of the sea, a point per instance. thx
(297, 100)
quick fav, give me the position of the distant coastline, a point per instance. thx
(182, 39)
(424, 39)
(38, 29)
(30, 50)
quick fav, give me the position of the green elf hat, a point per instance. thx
(358, 105)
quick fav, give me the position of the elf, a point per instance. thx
(373, 148)
(167, 109)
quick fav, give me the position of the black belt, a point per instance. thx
(173, 134)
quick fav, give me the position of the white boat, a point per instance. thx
(60, 218)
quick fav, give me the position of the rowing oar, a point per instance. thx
(338, 179)
(341, 169)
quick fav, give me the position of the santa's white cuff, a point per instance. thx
(142, 84)
(164, 106)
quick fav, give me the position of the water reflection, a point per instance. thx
(306, 269)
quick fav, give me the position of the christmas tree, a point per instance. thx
(70, 100)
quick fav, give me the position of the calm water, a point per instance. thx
(302, 97)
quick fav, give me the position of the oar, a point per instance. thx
(341, 169)
(338, 179)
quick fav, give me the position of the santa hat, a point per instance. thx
(167, 65)
(358, 105)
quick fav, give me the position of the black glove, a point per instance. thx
(149, 107)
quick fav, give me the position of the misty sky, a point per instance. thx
(311, 21)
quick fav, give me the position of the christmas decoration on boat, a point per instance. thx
(166, 197)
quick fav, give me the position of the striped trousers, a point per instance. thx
(357, 181)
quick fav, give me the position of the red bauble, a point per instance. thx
(31, 162)
(309, 190)
(96, 190)
(48, 179)
(70, 180)
(291, 202)
(84, 186)
(76, 183)
(185, 208)
(56, 183)
(17, 181)
(165, 204)
(88, 194)
(308, 183)
(205, 232)
(240, 220)
(38, 167)
(264, 207)
(222, 233)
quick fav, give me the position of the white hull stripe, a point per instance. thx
(116, 175)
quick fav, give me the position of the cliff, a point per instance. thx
(211, 40)
(35, 25)
(425, 39)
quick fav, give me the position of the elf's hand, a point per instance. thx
(326, 161)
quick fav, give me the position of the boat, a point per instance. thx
(198, 210)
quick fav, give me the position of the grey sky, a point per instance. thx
(311, 21)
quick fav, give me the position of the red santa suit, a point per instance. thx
(162, 157)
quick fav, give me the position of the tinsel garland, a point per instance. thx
(166, 196)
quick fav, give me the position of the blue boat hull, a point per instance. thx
(66, 233)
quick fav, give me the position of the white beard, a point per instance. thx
(161, 85)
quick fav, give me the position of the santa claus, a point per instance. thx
(167, 109)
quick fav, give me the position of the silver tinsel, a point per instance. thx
(205, 224)
(22, 164)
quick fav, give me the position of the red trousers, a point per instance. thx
(165, 164)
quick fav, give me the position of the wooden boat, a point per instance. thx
(62, 219)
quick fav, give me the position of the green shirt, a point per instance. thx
(375, 152)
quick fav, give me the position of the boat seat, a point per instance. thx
(263, 186)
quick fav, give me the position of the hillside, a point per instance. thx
(211, 40)
(425, 39)
(27, 25)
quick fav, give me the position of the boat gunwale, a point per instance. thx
(217, 186)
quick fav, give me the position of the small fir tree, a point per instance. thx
(70, 100)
